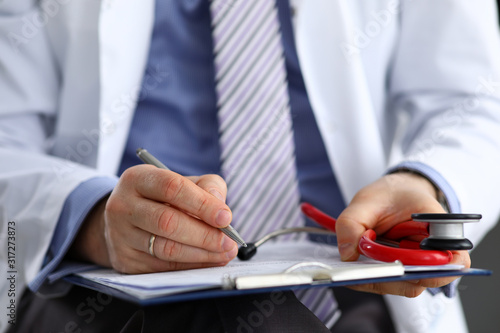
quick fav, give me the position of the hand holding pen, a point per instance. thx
(157, 220)
(147, 158)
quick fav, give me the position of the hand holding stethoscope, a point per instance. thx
(440, 232)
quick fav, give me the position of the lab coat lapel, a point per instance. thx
(124, 38)
(339, 94)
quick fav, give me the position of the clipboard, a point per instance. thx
(317, 266)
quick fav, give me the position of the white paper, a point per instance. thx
(270, 258)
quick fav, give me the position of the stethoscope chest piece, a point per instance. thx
(446, 231)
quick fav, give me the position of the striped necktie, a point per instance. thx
(256, 138)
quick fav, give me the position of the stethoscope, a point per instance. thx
(441, 233)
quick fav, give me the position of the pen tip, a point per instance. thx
(139, 150)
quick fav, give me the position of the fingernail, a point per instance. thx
(232, 253)
(414, 281)
(223, 218)
(216, 194)
(346, 250)
(227, 244)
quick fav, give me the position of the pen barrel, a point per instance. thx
(147, 158)
(233, 234)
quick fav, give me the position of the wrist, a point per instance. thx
(90, 243)
(416, 180)
(424, 183)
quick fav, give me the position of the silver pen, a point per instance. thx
(147, 158)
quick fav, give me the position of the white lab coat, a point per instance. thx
(364, 63)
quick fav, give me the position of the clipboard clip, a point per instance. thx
(299, 274)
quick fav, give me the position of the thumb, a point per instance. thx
(350, 226)
(381, 205)
(213, 184)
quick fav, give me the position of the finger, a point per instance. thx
(367, 210)
(414, 288)
(401, 288)
(157, 265)
(145, 263)
(169, 187)
(127, 240)
(213, 184)
(380, 206)
(172, 251)
(459, 258)
(350, 226)
(170, 223)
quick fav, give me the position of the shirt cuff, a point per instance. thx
(452, 202)
(435, 178)
(76, 207)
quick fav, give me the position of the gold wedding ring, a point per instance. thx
(152, 244)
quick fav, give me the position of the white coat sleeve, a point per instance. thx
(33, 184)
(446, 78)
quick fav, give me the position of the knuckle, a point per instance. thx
(173, 187)
(218, 180)
(172, 250)
(203, 205)
(129, 175)
(345, 219)
(209, 239)
(115, 205)
(413, 292)
(168, 222)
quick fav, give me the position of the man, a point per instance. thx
(71, 72)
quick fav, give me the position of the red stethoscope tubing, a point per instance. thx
(408, 252)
